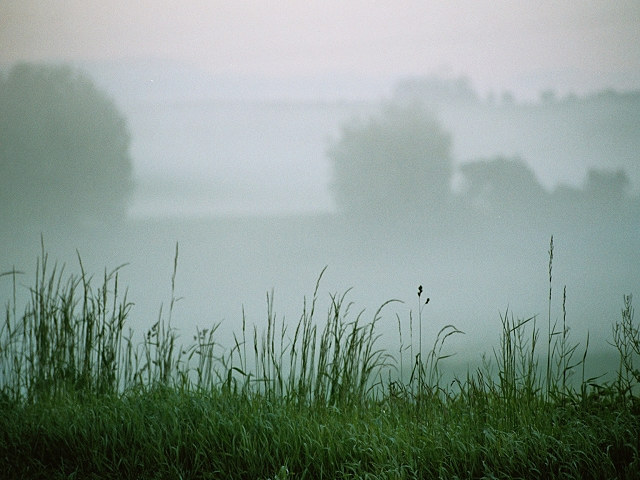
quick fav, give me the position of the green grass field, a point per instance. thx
(82, 396)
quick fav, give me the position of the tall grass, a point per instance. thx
(626, 339)
(318, 399)
(69, 338)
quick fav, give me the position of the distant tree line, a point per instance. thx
(397, 166)
(507, 190)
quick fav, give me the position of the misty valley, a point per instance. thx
(251, 192)
(235, 216)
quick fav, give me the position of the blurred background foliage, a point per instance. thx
(64, 149)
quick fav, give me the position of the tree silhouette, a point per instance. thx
(63, 148)
(395, 165)
(607, 184)
(503, 188)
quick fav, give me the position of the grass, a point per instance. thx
(82, 398)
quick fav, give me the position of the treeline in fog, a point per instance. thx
(435, 154)
(399, 165)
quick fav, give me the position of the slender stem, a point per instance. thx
(549, 332)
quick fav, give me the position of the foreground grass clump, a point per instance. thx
(170, 434)
(81, 398)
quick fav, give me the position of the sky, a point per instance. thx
(519, 46)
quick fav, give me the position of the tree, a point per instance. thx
(396, 165)
(504, 188)
(607, 184)
(63, 148)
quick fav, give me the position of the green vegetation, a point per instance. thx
(81, 397)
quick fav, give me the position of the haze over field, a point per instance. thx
(400, 143)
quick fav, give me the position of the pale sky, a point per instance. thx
(498, 44)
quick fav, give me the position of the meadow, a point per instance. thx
(84, 396)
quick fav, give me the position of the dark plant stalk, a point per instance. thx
(549, 332)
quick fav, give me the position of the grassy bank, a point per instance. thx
(83, 396)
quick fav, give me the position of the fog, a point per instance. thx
(430, 185)
(444, 153)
